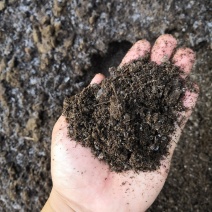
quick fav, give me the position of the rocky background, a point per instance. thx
(50, 49)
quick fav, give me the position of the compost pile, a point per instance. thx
(128, 120)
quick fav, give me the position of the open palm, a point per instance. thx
(83, 183)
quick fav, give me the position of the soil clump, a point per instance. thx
(128, 120)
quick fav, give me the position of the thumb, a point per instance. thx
(97, 79)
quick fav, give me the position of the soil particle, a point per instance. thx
(2, 5)
(129, 119)
(204, 157)
(58, 7)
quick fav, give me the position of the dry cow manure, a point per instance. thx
(128, 120)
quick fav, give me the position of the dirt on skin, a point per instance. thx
(129, 119)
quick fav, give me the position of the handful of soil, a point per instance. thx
(127, 121)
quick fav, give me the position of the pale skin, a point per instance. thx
(82, 183)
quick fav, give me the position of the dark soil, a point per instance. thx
(128, 120)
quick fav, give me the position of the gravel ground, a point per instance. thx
(51, 49)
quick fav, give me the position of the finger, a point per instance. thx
(140, 49)
(184, 58)
(190, 98)
(97, 79)
(189, 102)
(163, 48)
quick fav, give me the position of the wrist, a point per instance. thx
(56, 204)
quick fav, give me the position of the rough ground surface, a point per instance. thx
(47, 49)
(129, 119)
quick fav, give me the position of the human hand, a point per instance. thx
(83, 183)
